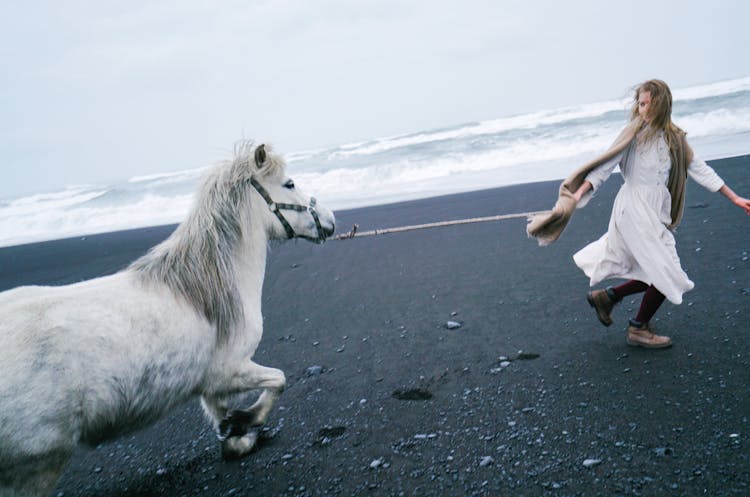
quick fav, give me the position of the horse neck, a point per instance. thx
(250, 268)
(222, 278)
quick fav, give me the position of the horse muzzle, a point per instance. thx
(327, 232)
(325, 226)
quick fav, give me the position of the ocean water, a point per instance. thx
(538, 146)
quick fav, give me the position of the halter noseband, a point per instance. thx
(277, 208)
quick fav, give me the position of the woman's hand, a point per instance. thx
(741, 202)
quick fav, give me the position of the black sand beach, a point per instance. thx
(530, 396)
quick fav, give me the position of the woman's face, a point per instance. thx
(644, 104)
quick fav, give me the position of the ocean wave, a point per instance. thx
(530, 120)
(712, 89)
(72, 195)
(490, 127)
(717, 122)
(529, 147)
(410, 175)
(172, 177)
(45, 224)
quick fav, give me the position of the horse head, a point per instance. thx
(290, 213)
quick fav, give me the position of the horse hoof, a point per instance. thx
(234, 448)
(237, 422)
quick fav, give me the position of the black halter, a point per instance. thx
(276, 209)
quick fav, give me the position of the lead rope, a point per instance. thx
(500, 217)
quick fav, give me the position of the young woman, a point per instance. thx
(655, 160)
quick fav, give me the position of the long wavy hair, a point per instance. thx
(680, 153)
(660, 112)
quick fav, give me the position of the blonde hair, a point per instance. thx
(660, 112)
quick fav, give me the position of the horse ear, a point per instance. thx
(260, 155)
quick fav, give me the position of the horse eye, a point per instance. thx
(289, 184)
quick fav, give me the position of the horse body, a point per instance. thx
(90, 361)
(107, 368)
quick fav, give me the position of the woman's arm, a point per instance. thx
(594, 180)
(585, 187)
(704, 175)
(741, 202)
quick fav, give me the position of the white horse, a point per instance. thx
(87, 362)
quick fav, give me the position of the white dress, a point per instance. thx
(637, 244)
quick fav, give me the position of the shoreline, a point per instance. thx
(418, 197)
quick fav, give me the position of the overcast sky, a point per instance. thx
(96, 91)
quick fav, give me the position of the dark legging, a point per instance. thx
(652, 299)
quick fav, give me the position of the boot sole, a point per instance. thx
(633, 343)
(592, 304)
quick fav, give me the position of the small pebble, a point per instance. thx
(452, 325)
(315, 370)
(527, 356)
(591, 462)
(663, 451)
(486, 461)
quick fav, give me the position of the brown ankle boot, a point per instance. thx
(644, 337)
(602, 304)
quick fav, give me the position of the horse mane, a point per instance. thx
(197, 260)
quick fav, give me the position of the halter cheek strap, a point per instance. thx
(277, 208)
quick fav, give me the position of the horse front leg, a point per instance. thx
(238, 428)
(236, 440)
